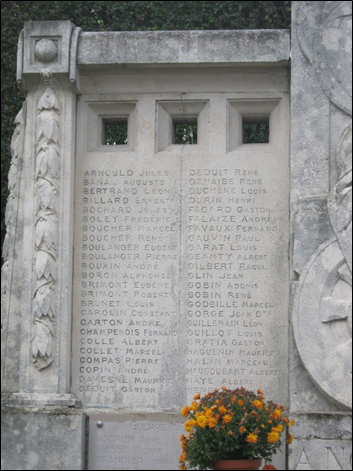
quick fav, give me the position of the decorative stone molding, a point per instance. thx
(47, 42)
(48, 155)
(11, 216)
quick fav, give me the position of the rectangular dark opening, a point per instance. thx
(114, 132)
(184, 130)
(256, 129)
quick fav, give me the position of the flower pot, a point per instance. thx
(237, 464)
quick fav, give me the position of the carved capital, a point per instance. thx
(47, 44)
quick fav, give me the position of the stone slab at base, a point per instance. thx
(321, 441)
(42, 439)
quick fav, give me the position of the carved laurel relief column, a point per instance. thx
(47, 72)
(47, 189)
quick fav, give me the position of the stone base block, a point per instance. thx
(33, 439)
(320, 454)
(322, 441)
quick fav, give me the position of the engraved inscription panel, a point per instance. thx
(128, 442)
(235, 251)
(181, 257)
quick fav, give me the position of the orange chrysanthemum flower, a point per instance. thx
(251, 438)
(182, 467)
(242, 430)
(290, 439)
(258, 404)
(224, 388)
(202, 421)
(222, 410)
(197, 396)
(185, 411)
(269, 466)
(182, 458)
(292, 422)
(212, 422)
(233, 399)
(276, 414)
(227, 418)
(273, 437)
(240, 403)
(259, 391)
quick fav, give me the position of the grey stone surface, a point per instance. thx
(323, 426)
(182, 297)
(181, 264)
(321, 203)
(320, 454)
(33, 439)
(11, 271)
(134, 441)
(184, 47)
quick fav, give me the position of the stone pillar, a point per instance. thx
(321, 187)
(36, 299)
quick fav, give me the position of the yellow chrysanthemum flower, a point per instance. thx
(202, 421)
(273, 437)
(258, 404)
(182, 437)
(227, 418)
(279, 428)
(194, 406)
(209, 413)
(251, 438)
(182, 467)
(185, 411)
(262, 426)
(242, 430)
(290, 439)
(187, 426)
(292, 422)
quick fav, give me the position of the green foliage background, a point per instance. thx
(117, 16)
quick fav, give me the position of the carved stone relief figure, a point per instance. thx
(322, 315)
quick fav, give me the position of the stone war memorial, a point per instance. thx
(156, 249)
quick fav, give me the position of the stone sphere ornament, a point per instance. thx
(46, 50)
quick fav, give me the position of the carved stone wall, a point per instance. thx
(321, 355)
(10, 276)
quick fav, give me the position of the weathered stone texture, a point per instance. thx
(34, 439)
